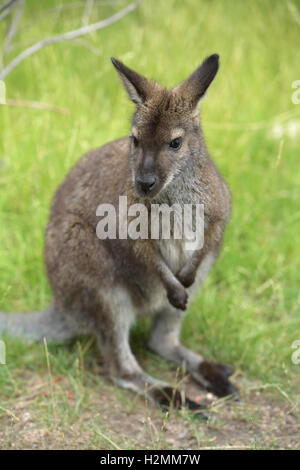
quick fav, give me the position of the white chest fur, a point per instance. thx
(174, 253)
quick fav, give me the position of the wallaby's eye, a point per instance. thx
(175, 144)
(135, 141)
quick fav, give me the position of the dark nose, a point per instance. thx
(146, 183)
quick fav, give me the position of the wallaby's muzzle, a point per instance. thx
(146, 185)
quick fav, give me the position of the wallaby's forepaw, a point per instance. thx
(186, 279)
(178, 298)
(216, 376)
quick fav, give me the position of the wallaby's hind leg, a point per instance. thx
(165, 341)
(120, 363)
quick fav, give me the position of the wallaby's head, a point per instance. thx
(166, 130)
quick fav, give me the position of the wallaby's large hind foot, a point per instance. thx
(164, 340)
(158, 392)
(215, 378)
(171, 397)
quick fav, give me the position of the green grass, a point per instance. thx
(248, 312)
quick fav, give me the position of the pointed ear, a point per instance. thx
(194, 87)
(135, 84)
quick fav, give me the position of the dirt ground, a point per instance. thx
(113, 419)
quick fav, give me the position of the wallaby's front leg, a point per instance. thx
(176, 292)
(187, 274)
(165, 341)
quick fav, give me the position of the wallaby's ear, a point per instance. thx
(135, 84)
(194, 87)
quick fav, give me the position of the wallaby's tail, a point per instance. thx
(36, 326)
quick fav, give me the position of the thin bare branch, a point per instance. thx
(68, 6)
(7, 5)
(4, 14)
(89, 4)
(67, 36)
(13, 27)
(36, 105)
(85, 43)
(6, 8)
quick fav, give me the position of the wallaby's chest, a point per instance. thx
(174, 253)
(177, 252)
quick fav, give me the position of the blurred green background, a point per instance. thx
(248, 312)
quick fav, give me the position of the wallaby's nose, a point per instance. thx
(146, 183)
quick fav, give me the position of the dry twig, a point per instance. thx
(67, 36)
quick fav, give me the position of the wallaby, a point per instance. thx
(102, 286)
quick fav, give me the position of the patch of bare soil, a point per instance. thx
(118, 419)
